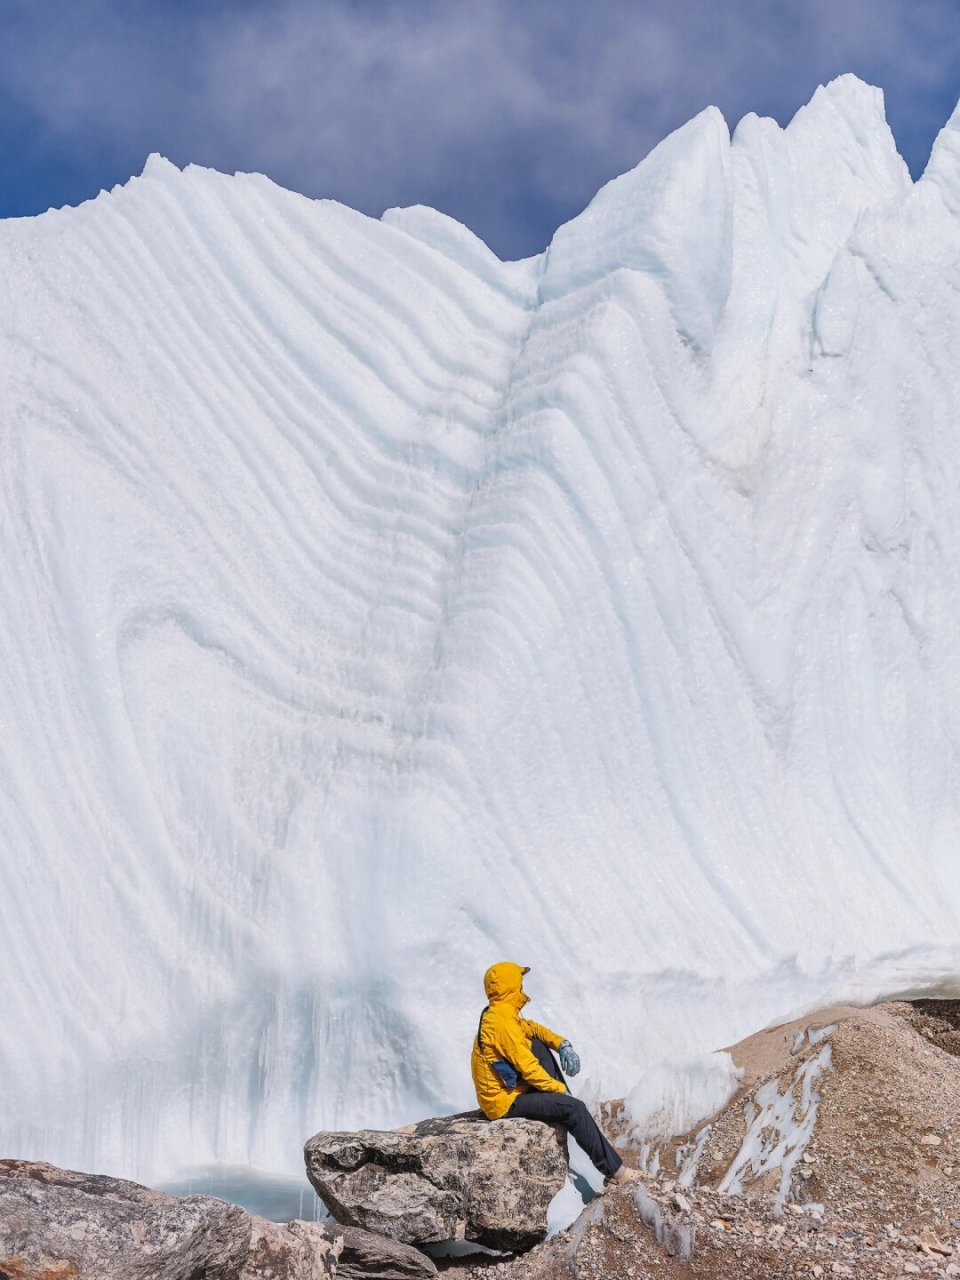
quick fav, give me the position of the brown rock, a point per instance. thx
(931, 1243)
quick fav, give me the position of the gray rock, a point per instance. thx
(459, 1177)
(365, 1256)
(60, 1225)
(317, 1250)
(294, 1251)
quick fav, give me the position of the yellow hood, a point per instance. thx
(504, 982)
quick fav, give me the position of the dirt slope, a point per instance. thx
(839, 1155)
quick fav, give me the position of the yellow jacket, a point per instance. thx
(503, 1034)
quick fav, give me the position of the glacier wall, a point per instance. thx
(375, 609)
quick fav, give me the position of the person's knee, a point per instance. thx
(573, 1109)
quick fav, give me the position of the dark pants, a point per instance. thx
(565, 1109)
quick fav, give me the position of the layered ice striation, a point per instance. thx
(375, 610)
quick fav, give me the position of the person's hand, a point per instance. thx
(569, 1061)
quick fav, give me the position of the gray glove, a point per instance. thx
(569, 1061)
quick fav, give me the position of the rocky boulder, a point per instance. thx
(318, 1250)
(291, 1251)
(365, 1256)
(459, 1177)
(76, 1226)
(59, 1225)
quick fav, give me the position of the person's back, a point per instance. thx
(516, 1075)
(503, 1063)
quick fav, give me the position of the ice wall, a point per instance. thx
(375, 610)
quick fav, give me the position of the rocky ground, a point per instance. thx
(843, 1143)
(652, 1231)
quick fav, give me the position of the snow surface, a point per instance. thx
(376, 610)
(674, 1093)
(779, 1128)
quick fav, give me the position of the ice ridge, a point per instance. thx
(376, 610)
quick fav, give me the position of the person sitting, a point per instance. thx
(516, 1075)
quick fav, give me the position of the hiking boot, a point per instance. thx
(623, 1175)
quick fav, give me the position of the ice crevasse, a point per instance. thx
(375, 610)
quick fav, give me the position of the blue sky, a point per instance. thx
(507, 114)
